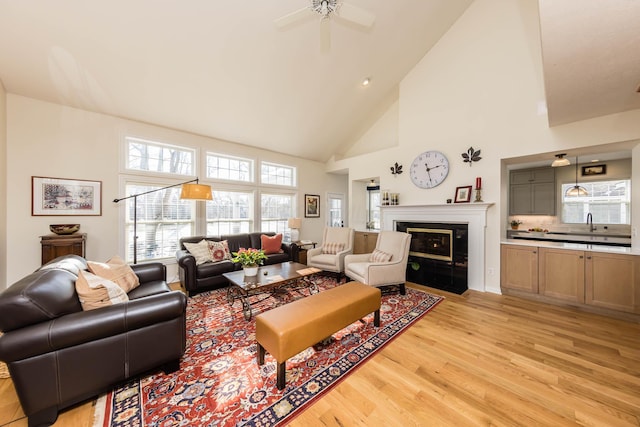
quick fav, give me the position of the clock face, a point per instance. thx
(429, 169)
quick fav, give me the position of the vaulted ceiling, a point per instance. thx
(223, 69)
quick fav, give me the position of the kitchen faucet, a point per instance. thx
(590, 222)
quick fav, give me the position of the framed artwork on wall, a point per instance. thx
(463, 194)
(311, 206)
(60, 196)
(594, 170)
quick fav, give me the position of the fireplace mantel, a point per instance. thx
(473, 214)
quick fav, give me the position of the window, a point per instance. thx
(230, 212)
(271, 173)
(156, 157)
(230, 168)
(162, 219)
(608, 201)
(275, 210)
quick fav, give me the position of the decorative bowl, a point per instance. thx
(64, 228)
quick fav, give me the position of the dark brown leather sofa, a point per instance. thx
(207, 276)
(59, 355)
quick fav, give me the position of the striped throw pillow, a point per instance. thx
(332, 248)
(200, 251)
(380, 256)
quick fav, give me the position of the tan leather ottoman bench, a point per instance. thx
(287, 330)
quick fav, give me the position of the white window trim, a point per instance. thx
(253, 162)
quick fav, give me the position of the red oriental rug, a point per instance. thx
(220, 383)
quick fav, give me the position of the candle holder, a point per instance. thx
(478, 195)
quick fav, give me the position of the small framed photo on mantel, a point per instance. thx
(463, 194)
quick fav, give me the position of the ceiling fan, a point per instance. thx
(327, 9)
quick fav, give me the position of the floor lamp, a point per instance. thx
(189, 191)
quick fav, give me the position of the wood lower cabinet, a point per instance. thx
(364, 242)
(599, 279)
(561, 274)
(613, 281)
(519, 268)
(54, 245)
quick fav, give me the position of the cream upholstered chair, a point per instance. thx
(337, 242)
(386, 265)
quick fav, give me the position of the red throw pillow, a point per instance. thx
(271, 244)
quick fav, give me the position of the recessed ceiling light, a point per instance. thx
(366, 81)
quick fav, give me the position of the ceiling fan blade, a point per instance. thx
(325, 35)
(293, 17)
(356, 15)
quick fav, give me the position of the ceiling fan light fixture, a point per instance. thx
(560, 161)
(366, 81)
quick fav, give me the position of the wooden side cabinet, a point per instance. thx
(613, 281)
(561, 274)
(54, 245)
(364, 242)
(519, 268)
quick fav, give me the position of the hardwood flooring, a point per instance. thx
(476, 359)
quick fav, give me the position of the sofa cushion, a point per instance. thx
(200, 251)
(97, 292)
(380, 256)
(271, 244)
(332, 248)
(116, 270)
(219, 250)
(38, 297)
(214, 268)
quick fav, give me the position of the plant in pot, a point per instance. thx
(249, 259)
(515, 224)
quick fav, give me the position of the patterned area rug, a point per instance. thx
(220, 382)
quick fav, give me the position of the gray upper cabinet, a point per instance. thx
(532, 192)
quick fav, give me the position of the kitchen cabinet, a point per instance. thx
(364, 242)
(599, 279)
(561, 274)
(519, 268)
(613, 281)
(532, 192)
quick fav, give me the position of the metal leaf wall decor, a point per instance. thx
(471, 156)
(396, 169)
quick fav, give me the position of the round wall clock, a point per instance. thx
(429, 169)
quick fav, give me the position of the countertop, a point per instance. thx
(573, 246)
(601, 238)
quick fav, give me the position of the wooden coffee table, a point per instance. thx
(269, 280)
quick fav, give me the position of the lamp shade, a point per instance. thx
(196, 192)
(294, 223)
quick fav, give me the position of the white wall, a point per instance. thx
(481, 86)
(46, 139)
(3, 187)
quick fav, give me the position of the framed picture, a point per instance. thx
(59, 196)
(594, 170)
(463, 194)
(311, 206)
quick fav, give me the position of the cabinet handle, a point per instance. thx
(581, 257)
(588, 257)
(535, 252)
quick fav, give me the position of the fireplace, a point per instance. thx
(474, 215)
(437, 255)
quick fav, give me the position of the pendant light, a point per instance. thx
(560, 161)
(576, 190)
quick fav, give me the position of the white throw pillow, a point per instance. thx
(200, 251)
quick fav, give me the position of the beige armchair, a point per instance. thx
(337, 243)
(376, 270)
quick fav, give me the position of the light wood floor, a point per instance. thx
(477, 359)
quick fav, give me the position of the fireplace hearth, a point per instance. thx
(438, 255)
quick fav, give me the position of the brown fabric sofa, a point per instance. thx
(207, 276)
(59, 355)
